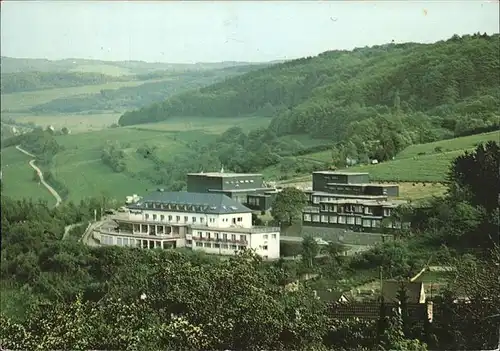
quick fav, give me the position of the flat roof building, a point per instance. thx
(348, 200)
(246, 188)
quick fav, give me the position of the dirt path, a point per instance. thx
(40, 176)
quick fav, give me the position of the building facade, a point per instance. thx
(348, 200)
(248, 189)
(213, 223)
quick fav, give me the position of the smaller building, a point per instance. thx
(248, 189)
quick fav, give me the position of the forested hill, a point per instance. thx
(432, 90)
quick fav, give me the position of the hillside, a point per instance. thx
(83, 101)
(382, 98)
(165, 84)
(427, 162)
(17, 65)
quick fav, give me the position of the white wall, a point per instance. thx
(266, 244)
(243, 220)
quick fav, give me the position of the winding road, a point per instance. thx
(40, 175)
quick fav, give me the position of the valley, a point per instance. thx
(79, 137)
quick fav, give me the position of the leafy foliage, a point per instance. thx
(113, 156)
(288, 205)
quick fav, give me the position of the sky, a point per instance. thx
(214, 31)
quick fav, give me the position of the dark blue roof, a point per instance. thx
(182, 201)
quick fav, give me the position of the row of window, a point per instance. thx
(342, 220)
(254, 201)
(240, 181)
(369, 223)
(169, 218)
(217, 246)
(216, 236)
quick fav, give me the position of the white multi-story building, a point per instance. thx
(213, 223)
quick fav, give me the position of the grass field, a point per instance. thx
(17, 178)
(416, 163)
(76, 123)
(80, 169)
(19, 102)
(212, 125)
(109, 70)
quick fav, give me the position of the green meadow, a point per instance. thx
(17, 177)
(417, 163)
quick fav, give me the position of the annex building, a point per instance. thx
(209, 222)
(348, 200)
(248, 189)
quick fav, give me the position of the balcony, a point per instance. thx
(236, 229)
(219, 240)
(311, 209)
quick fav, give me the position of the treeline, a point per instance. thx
(388, 96)
(234, 150)
(146, 94)
(29, 81)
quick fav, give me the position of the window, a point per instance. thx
(202, 219)
(240, 219)
(264, 247)
(154, 217)
(208, 245)
(177, 218)
(119, 241)
(350, 220)
(216, 246)
(200, 234)
(225, 246)
(324, 219)
(185, 219)
(198, 244)
(146, 216)
(242, 247)
(208, 235)
(333, 219)
(234, 247)
(194, 219)
(266, 236)
(307, 217)
(233, 237)
(216, 236)
(162, 217)
(224, 236)
(273, 236)
(243, 237)
(315, 218)
(169, 218)
(189, 242)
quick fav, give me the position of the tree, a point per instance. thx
(288, 205)
(310, 249)
(65, 130)
(476, 176)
